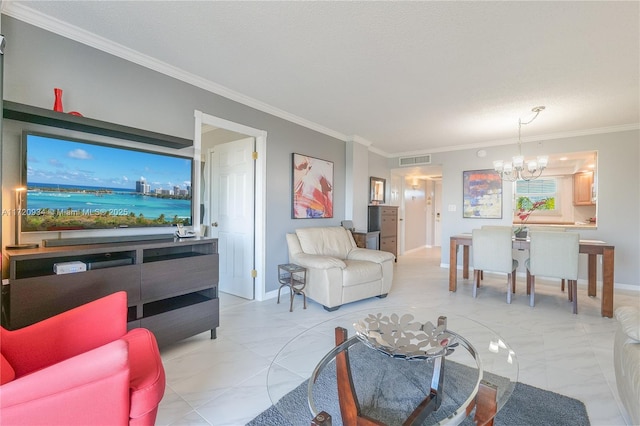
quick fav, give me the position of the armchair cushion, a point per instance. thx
(7, 373)
(376, 256)
(360, 271)
(318, 261)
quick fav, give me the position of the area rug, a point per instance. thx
(392, 389)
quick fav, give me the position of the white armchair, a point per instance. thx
(338, 271)
(626, 360)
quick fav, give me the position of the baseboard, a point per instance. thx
(270, 295)
(415, 249)
(629, 287)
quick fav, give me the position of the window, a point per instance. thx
(529, 192)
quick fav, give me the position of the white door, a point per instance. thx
(232, 212)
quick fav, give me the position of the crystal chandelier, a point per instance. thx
(516, 169)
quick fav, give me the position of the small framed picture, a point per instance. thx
(377, 189)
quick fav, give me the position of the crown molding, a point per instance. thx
(381, 152)
(360, 140)
(23, 13)
(500, 142)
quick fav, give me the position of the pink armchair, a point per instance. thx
(81, 367)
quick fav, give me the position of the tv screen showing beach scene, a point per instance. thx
(74, 185)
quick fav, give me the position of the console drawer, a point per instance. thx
(59, 293)
(189, 315)
(178, 276)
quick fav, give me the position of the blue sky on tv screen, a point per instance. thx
(63, 162)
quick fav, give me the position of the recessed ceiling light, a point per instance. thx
(563, 158)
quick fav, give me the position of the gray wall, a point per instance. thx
(107, 88)
(618, 194)
(111, 89)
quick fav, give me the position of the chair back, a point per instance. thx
(554, 254)
(491, 247)
(332, 241)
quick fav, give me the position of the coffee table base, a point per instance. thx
(485, 401)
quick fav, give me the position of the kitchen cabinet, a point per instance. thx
(583, 189)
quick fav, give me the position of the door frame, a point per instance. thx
(259, 215)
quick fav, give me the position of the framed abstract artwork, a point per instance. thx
(482, 194)
(312, 188)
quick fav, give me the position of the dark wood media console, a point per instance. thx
(171, 285)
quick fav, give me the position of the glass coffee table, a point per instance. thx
(408, 365)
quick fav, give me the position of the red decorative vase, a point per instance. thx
(57, 104)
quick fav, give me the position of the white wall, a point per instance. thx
(357, 184)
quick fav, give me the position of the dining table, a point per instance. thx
(592, 248)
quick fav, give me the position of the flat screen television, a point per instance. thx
(83, 185)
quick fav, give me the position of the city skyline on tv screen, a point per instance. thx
(78, 185)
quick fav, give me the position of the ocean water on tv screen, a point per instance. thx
(72, 206)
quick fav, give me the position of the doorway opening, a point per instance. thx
(232, 186)
(418, 193)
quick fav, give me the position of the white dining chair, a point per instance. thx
(492, 251)
(510, 228)
(536, 228)
(554, 255)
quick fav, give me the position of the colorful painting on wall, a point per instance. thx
(482, 194)
(312, 188)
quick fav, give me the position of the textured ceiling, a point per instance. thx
(408, 77)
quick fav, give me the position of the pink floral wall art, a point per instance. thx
(312, 188)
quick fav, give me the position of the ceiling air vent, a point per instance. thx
(415, 161)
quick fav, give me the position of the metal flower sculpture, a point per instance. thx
(402, 337)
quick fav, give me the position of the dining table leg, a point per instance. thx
(453, 265)
(592, 267)
(607, 282)
(465, 262)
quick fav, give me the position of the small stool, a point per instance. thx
(295, 277)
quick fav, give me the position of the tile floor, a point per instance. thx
(223, 381)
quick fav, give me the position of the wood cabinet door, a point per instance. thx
(582, 183)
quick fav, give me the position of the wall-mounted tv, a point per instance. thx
(82, 185)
